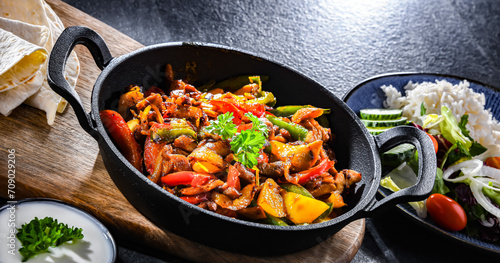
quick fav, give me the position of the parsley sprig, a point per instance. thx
(257, 125)
(223, 126)
(246, 147)
(38, 235)
(246, 144)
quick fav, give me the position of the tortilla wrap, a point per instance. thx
(20, 60)
(36, 36)
(39, 13)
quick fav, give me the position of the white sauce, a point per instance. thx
(96, 245)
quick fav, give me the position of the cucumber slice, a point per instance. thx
(397, 155)
(384, 123)
(377, 130)
(380, 114)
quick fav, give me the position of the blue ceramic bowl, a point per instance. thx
(368, 94)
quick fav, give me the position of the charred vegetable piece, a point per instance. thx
(206, 160)
(151, 151)
(307, 175)
(168, 132)
(185, 178)
(270, 199)
(298, 189)
(196, 199)
(122, 135)
(252, 213)
(296, 131)
(302, 209)
(129, 100)
(235, 83)
(185, 142)
(336, 200)
(272, 220)
(233, 178)
(301, 157)
(241, 202)
(289, 110)
(266, 98)
(306, 113)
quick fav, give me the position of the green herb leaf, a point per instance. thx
(463, 121)
(246, 147)
(257, 125)
(423, 110)
(439, 185)
(223, 126)
(477, 149)
(38, 235)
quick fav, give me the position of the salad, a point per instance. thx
(466, 193)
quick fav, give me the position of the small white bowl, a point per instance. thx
(97, 244)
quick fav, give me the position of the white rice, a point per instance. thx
(460, 99)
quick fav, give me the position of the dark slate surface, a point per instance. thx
(338, 44)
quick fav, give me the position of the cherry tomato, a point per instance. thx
(493, 162)
(446, 212)
(434, 141)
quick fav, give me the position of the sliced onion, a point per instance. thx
(485, 182)
(469, 168)
(477, 190)
(491, 172)
(487, 223)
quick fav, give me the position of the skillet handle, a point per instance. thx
(68, 39)
(426, 165)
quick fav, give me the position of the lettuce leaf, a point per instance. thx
(451, 130)
(400, 178)
(493, 195)
(439, 186)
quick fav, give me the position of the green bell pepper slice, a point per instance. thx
(296, 131)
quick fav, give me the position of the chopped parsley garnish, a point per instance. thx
(257, 125)
(246, 144)
(223, 126)
(246, 147)
(38, 235)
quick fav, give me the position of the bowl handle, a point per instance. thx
(426, 165)
(68, 39)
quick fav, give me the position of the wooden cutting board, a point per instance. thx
(63, 162)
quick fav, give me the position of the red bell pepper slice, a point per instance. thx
(195, 199)
(244, 127)
(185, 178)
(151, 151)
(239, 109)
(121, 134)
(225, 106)
(233, 178)
(308, 175)
(255, 108)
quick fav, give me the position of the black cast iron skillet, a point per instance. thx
(354, 146)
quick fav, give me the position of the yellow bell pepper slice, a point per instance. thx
(336, 200)
(270, 199)
(302, 209)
